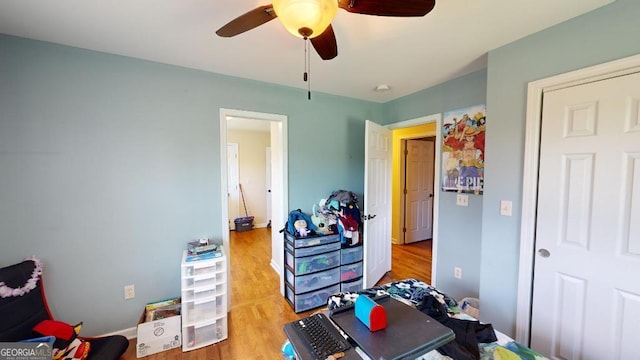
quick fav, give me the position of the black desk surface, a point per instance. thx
(409, 334)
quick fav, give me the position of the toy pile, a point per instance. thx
(299, 224)
(339, 213)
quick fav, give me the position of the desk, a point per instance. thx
(408, 335)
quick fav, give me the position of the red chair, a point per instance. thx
(21, 312)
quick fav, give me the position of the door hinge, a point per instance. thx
(404, 229)
(405, 191)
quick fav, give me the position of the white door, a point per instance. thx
(419, 190)
(586, 295)
(377, 203)
(233, 179)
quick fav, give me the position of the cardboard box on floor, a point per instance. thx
(158, 335)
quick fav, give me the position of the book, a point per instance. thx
(203, 256)
(161, 303)
(204, 249)
(162, 309)
(197, 247)
(163, 312)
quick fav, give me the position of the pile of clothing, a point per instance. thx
(339, 213)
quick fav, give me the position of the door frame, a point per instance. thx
(268, 183)
(535, 92)
(279, 200)
(437, 119)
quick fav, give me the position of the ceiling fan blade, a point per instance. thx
(248, 21)
(325, 44)
(388, 7)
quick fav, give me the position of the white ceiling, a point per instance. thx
(408, 54)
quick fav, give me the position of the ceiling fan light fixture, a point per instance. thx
(305, 18)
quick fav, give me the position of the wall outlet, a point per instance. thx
(462, 200)
(129, 292)
(457, 272)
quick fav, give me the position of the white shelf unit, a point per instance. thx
(204, 301)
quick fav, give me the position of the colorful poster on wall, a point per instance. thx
(463, 134)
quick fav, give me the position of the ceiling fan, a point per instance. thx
(311, 19)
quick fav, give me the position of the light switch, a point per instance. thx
(462, 200)
(505, 208)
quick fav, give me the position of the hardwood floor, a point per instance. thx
(258, 311)
(410, 261)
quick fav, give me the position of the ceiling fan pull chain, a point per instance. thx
(309, 71)
(307, 67)
(305, 75)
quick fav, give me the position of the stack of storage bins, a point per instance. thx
(317, 267)
(351, 269)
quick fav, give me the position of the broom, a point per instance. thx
(246, 213)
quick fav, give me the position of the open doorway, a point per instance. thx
(248, 179)
(277, 128)
(415, 195)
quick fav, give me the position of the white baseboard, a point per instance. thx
(275, 266)
(130, 333)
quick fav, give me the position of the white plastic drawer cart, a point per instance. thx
(204, 301)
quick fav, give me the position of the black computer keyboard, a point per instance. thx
(322, 337)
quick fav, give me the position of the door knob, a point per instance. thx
(544, 253)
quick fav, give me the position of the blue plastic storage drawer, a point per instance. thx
(315, 250)
(311, 240)
(310, 282)
(350, 272)
(351, 286)
(351, 255)
(310, 300)
(314, 263)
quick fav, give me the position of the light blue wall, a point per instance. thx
(605, 34)
(459, 228)
(108, 165)
(88, 141)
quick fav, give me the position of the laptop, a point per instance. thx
(409, 332)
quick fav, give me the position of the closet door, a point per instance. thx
(586, 296)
